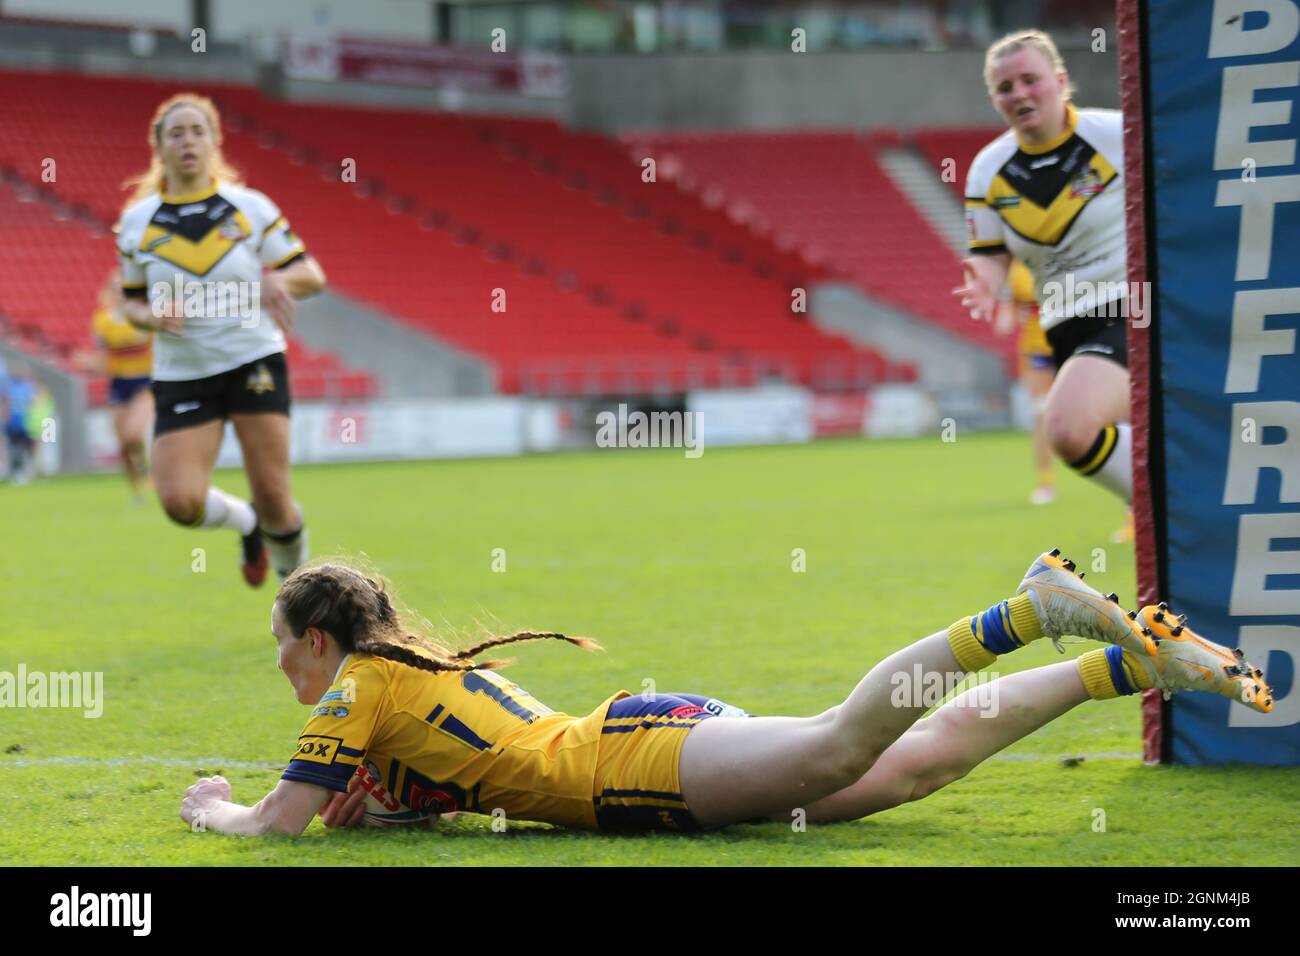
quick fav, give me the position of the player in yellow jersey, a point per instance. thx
(1019, 311)
(128, 360)
(443, 733)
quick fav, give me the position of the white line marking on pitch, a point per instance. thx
(223, 764)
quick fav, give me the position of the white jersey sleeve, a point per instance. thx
(983, 223)
(127, 235)
(276, 243)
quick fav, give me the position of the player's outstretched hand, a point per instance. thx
(345, 809)
(203, 796)
(975, 295)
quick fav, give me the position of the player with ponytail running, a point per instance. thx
(443, 733)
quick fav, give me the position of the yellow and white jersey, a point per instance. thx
(1059, 208)
(209, 250)
(453, 740)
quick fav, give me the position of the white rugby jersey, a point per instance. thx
(209, 249)
(1059, 208)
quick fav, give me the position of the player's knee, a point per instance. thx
(935, 779)
(1069, 436)
(844, 762)
(842, 768)
(181, 506)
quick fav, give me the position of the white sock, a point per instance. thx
(226, 511)
(287, 549)
(1115, 472)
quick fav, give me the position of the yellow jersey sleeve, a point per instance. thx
(117, 335)
(341, 726)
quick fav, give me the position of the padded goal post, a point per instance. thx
(1209, 90)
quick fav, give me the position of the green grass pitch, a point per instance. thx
(681, 568)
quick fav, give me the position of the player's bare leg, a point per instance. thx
(966, 731)
(182, 462)
(956, 738)
(732, 770)
(264, 439)
(1086, 421)
(182, 465)
(739, 769)
(1038, 383)
(132, 422)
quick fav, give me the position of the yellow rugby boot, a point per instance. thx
(1186, 661)
(1067, 606)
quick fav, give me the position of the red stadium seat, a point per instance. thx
(632, 279)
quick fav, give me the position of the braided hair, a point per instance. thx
(357, 612)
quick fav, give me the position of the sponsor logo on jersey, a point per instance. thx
(260, 380)
(1045, 161)
(325, 710)
(1087, 184)
(1006, 202)
(317, 749)
(229, 229)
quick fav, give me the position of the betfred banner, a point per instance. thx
(1222, 195)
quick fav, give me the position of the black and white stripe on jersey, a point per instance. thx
(1040, 178)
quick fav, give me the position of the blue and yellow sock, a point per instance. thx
(1110, 672)
(1006, 626)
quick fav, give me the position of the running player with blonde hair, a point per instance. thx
(213, 268)
(425, 730)
(1050, 192)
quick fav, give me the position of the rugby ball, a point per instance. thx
(384, 809)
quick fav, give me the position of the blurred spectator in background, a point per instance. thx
(18, 398)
